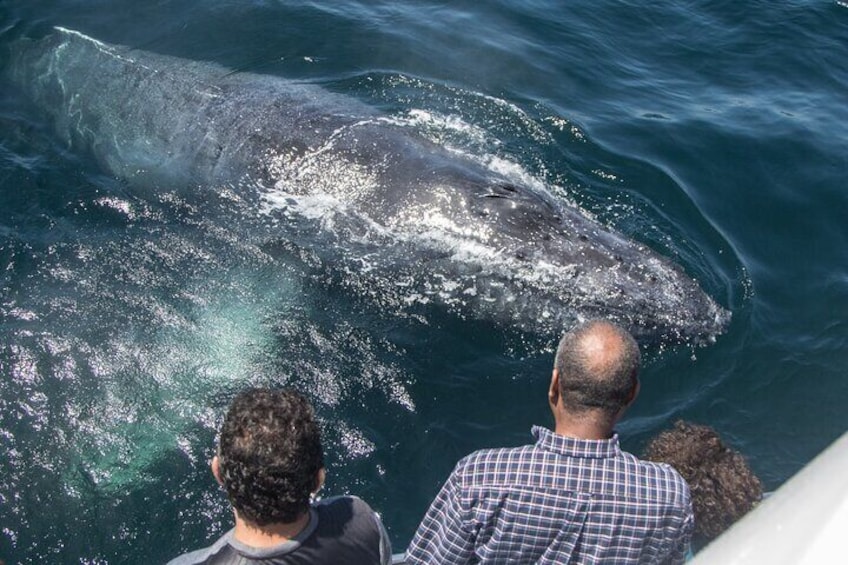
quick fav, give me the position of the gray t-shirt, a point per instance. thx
(341, 529)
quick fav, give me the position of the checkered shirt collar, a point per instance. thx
(574, 447)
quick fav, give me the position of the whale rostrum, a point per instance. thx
(399, 216)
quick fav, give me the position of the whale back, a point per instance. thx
(412, 219)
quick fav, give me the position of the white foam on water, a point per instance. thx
(102, 47)
(119, 205)
(354, 441)
(467, 140)
(151, 393)
(442, 128)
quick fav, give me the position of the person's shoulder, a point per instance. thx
(666, 471)
(673, 483)
(350, 514)
(491, 458)
(204, 555)
(344, 506)
(191, 558)
(343, 501)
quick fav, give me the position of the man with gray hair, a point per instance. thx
(574, 496)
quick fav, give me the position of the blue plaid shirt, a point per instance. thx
(562, 500)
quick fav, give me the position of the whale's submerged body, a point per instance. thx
(408, 219)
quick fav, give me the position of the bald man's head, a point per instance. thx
(598, 365)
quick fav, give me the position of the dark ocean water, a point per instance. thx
(715, 132)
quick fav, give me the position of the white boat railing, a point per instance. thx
(804, 522)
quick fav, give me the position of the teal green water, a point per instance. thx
(715, 132)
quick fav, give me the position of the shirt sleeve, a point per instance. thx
(385, 542)
(680, 549)
(446, 534)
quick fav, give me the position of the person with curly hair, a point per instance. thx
(271, 463)
(723, 486)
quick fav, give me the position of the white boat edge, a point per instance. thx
(804, 522)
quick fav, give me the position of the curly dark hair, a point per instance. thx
(269, 455)
(723, 486)
(598, 365)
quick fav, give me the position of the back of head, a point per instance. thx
(722, 484)
(270, 455)
(598, 366)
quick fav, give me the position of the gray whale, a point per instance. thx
(403, 219)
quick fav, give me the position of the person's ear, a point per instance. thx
(216, 469)
(319, 480)
(553, 390)
(634, 392)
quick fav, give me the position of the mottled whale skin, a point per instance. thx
(478, 241)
